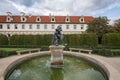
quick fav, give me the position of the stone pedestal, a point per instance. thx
(56, 56)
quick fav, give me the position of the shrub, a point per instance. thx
(111, 39)
(3, 40)
(90, 40)
(106, 52)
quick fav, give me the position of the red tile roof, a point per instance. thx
(47, 19)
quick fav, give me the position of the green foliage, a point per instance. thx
(99, 26)
(72, 39)
(106, 52)
(90, 40)
(4, 53)
(3, 40)
(111, 39)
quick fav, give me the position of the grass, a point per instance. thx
(12, 49)
(115, 49)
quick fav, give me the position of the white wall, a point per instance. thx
(42, 30)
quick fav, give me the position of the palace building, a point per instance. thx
(30, 24)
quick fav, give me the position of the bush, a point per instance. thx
(3, 40)
(90, 40)
(4, 53)
(111, 39)
(106, 52)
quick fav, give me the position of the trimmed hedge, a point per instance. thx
(4, 53)
(3, 40)
(111, 39)
(89, 40)
(31, 40)
(106, 52)
(72, 40)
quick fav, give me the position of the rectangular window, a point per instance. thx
(1, 26)
(74, 26)
(53, 26)
(15, 26)
(23, 26)
(67, 26)
(38, 26)
(8, 26)
(45, 26)
(30, 26)
(82, 26)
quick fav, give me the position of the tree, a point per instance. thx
(116, 27)
(99, 26)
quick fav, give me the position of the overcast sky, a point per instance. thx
(109, 8)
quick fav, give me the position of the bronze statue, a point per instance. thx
(58, 36)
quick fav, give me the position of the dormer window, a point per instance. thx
(52, 19)
(38, 19)
(67, 19)
(9, 19)
(81, 19)
(23, 19)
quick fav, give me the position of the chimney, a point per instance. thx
(22, 14)
(9, 13)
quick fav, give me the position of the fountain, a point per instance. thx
(57, 50)
(52, 66)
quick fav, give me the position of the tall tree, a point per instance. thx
(99, 26)
(117, 25)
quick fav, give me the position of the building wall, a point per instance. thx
(49, 29)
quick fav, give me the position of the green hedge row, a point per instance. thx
(106, 52)
(3, 40)
(90, 40)
(111, 39)
(72, 40)
(4, 53)
(31, 40)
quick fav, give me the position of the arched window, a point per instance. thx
(52, 19)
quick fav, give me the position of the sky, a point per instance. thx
(95, 8)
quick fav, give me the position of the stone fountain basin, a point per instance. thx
(86, 57)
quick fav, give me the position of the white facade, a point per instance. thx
(11, 25)
(41, 28)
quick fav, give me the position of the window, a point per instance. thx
(82, 26)
(53, 26)
(53, 19)
(74, 26)
(38, 26)
(15, 26)
(38, 19)
(23, 19)
(0, 26)
(81, 19)
(67, 19)
(67, 26)
(45, 26)
(8, 26)
(23, 26)
(30, 26)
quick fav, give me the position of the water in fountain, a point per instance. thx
(39, 69)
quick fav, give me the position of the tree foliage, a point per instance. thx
(99, 26)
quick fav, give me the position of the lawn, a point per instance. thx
(115, 49)
(12, 49)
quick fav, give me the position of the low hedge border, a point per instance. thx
(106, 52)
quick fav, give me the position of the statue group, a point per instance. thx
(58, 36)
